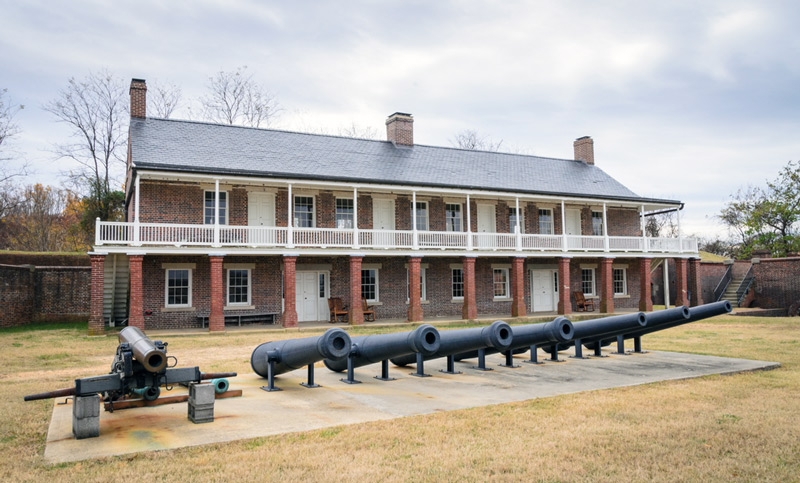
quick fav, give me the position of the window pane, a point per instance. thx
(597, 223)
(322, 285)
(303, 211)
(238, 286)
(458, 283)
(512, 221)
(369, 285)
(453, 217)
(178, 287)
(208, 207)
(587, 281)
(619, 281)
(545, 221)
(422, 215)
(500, 282)
(344, 213)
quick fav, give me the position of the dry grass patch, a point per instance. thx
(740, 427)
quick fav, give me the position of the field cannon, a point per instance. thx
(592, 329)
(496, 336)
(529, 337)
(272, 358)
(369, 349)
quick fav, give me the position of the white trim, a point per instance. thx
(249, 301)
(619, 265)
(588, 266)
(166, 290)
(458, 266)
(371, 266)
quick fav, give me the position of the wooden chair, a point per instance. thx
(337, 309)
(369, 311)
(583, 304)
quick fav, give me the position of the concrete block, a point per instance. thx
(201, 393)
(198, 416)
(86, 417)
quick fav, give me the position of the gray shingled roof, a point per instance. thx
(213, 148)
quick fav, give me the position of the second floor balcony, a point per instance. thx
(133, 234)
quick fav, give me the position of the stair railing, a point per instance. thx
(744, 287)
(723, 284)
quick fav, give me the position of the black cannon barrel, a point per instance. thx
(144, 350)
(369, 349)
(695, 313)
(603, 327)
(558, 330)
(498, 336)
(292, 354)
(654, 320)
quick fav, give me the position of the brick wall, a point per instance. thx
(44, 259)
(777, 282)
(43, 294)
(710, 275)
(629, 301)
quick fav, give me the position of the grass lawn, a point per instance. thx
(741, 427)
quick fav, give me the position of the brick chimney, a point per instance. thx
(584, 149)
(400, 129)
(138, 98)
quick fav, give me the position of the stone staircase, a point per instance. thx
(730, 292)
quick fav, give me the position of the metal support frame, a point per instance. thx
(637, 345)
(310, 383)
(554, 354)
(509, 362)
(451, 369)
(350, 370)
(420, 367)
(598, 350)
(385, 372)
(621, 346)
(578, 350)
(482, 361)
(534, 356)
(270, 387)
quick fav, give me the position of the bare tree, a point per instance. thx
(164, 99)
(661, 225)
(354, 130)
(38, 219)
(10, 194)
(95, 110)
(471, 139)
(235, 98)
(8, 128)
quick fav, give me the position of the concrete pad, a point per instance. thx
(296, 408)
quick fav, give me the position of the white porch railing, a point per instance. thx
(118, 233)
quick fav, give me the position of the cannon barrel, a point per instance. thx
(369, 349)
(695, 313)
(144, 350)
(558, 330)
(654, 320)
(497, 336)
(603, 327)
(292, 354)
(69, 391)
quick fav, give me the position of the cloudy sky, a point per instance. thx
(685, 100)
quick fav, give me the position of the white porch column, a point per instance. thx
(289, 220)
(645, 248)
(517, 227)
(136, 234)
(216, 212)
(680, 233)
(355, 219)
(469, 226)
(605, 228)
(415, 242)
(666, 283)
(563, 228)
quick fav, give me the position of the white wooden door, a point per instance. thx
(382, 214)
(542, 290)
(573, 218)
(307, 297)
(260, 209)
(486, 219)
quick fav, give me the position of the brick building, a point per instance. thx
(228, 220)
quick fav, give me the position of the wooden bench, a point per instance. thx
(266, 317)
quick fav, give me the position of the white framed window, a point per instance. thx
(344, 213)
(421, 214)
(620, 281)
(512, 220)
(369, 284)
(545, 221)
(587, 281)
(304, 212)
(457, 283)
(208, 207)
(597, 223)
(423, 289)
(178, 287)
(453, 217)
(500, 283)
(239, 286)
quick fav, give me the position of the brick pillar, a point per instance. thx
(414, 290)
(216, 319)
(136, 316)
(289, 318)
(356, 311)
(694, 282)
(680, 282)
(606, 286)
(518, 287)
(645, 297)
(564, 294)
(470, 309)
(97, 325)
